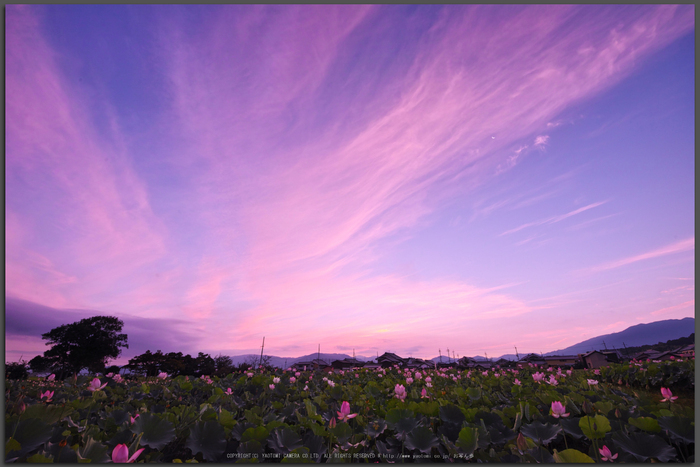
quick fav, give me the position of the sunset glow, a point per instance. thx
(368, 178)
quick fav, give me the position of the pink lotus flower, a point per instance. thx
(517, 382)
(424, 394)
(430, 385)
(109, 375)
(668, 395)
(400, 392)
(275, 380)
(428, 379)
(552, 380)
(47, 394)
(538, 377)
(297, 374)
(95, 385)
(558, 410)
(409, 380)
(331, 423)
(292, 379)
(121, 454)
(117, 379)
(272, 386)
(306, 388)
(250, 374)
(51, 377)
(418, 375)
(331, 383)
(162, 375)
(606, 455)
(133, 419)
(596, 372)
(229, 392)
(592, 382)
(344, 414)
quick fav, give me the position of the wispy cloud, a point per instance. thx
(670, 309)
(554, 219)
(678, 247)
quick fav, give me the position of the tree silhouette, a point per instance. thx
(86, 344)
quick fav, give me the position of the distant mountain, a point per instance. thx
(638, 335)
(280, 362)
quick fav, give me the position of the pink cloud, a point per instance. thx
(678, 247)
(678, 307)
(90, 197)
(554, 219)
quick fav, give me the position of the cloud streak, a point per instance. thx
(678, 247)
(554, 219)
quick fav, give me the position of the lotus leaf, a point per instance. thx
(643, 446)
(156, 431)
(572, 456)
(594, 427)
(468, 440)
(207, 437)
(678, 428)
(93, 450)
(542, 433)
(422, 439)
(30, 433)
(646, 424)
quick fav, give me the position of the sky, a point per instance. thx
(369, 178)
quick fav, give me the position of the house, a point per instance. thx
(347, 363)
(371, 366)
(465, 362)
(532, 358)
(686, 351)
(388, 359)
(314, 364)
(613, 356)
(504, 363)
(416, 363)
(561, 360)
(593, 359)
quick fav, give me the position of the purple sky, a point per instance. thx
(377, 178)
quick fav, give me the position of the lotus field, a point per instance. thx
(633, 412)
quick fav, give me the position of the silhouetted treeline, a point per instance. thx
(176, 364)
(672, 344)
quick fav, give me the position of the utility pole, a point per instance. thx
(440, 352)
(448, 356)
(606, 347)
(516, 353)
(262, 348)
(626, 351)
(318, 356)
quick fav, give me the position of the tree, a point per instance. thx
(224, 365)
(86, 344)
(16, 370)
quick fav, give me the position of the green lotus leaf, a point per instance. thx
(63, 454)
(604, 407)
(571, 427)
(342, 432)
(258, 433)
(646, 424)
(284, 440)
(452, 414)
(39, 459)
(30, 434)
(678, 428)
(157, 432)
(422, 439)
(474, 393)
(572, 456)
(46, 413)
(94, 451)
(468, 440)
(543, 433)
(12, 445)
(643, 446)
(208, 438)
(376, 427)
(594, 427)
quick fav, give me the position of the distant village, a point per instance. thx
(592, 359)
